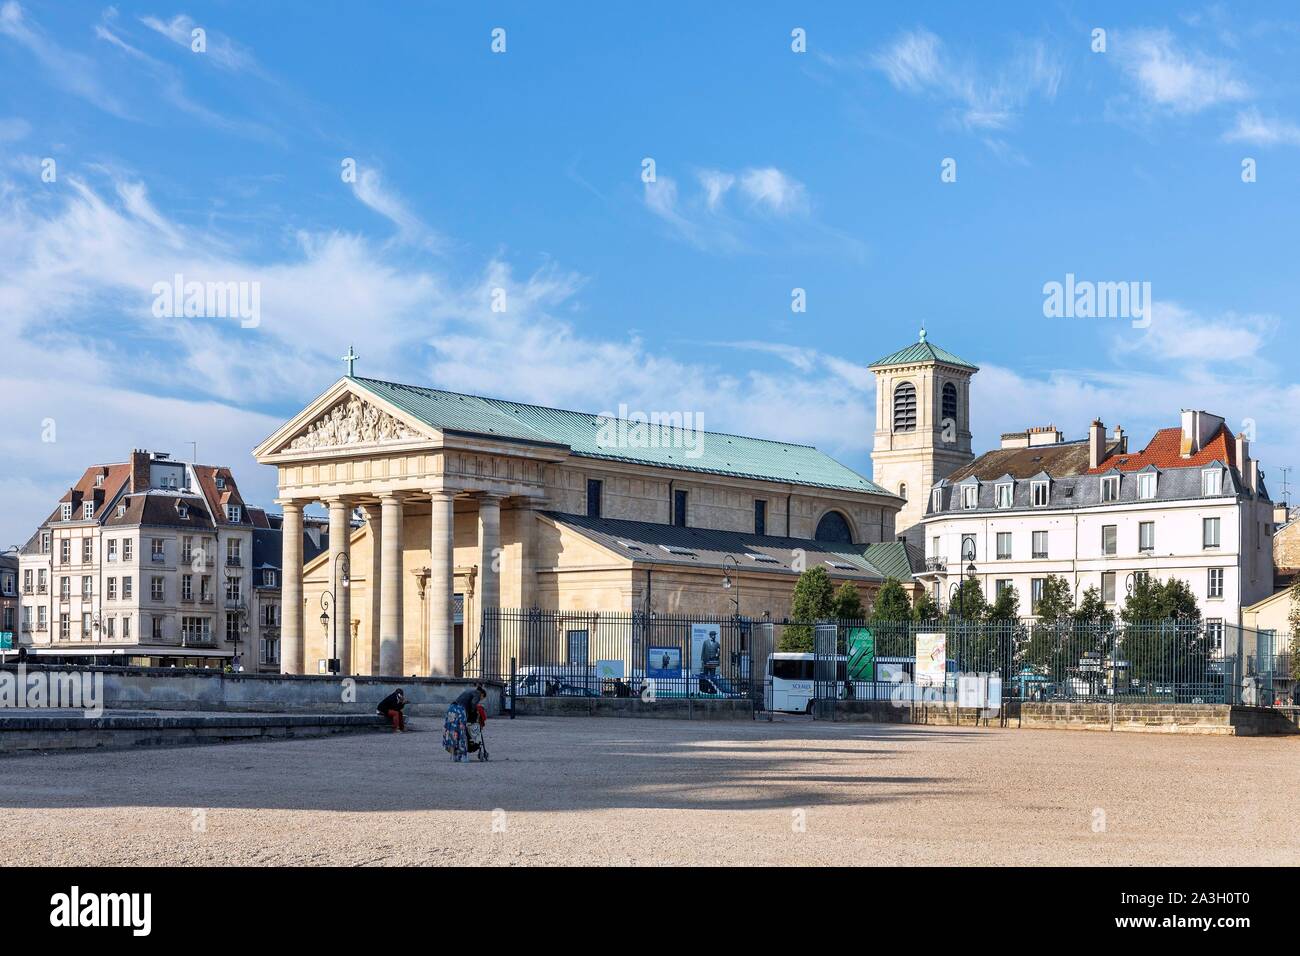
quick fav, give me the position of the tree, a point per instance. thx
(1162, 633)
(924, 609)
(1056, 601)
(813, 601)
(1152, 601)
(1295, 628)
(1006, 607)
(891, 603)
(969, 601)
(1092, 610)
(847, 603)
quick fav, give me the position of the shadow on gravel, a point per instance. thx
(539, 764)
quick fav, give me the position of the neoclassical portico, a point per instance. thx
(354, 453)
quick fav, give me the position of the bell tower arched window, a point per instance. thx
(905, 407)
(950, 401)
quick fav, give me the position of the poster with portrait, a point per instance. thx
(706, 647)
(663, 663)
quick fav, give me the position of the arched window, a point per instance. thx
(905, 407)
(902, 490)
(950, 401)
(834, 527)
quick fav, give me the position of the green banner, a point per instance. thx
(862, 654)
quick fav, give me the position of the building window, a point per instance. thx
(833, 526)
(112, 549)
(934, 547)
(65, 626)
(157, 588)
(85, 625)
(220, 483)
(968, 547)
(41, 618)
(187, 587)
(760, 516)
(1108, 587)
(234, 590)
(1000, 585)
(187, 548)
(232, 514)
(970, 496)
(1214, 633)
(65, 511)
(936, 500)
(45, 542)
(1210, 532)
(65, 587)
(1004, 545)
(233, 552)
(1036, 586)
(950, 401)
(126, 588)
(126, 628)
(232, 629)
(905, 407)
(87, 550)
(1110, 488)
(1146, 536)
(1040, 544)
(157, 550)
(1214, 585)
(112, 628)
(65, 550)
(1004, 494)
(679, 509)
(268, 578)
(1108, 538)
(156, 628)
(112, 589)
(1211, 482)
(1147, 485)
(128, 548)
(902, 490)
(1041, 493)
(594, 486)
(86, 584)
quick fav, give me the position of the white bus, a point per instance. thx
(792, 680)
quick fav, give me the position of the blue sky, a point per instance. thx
(523, 171)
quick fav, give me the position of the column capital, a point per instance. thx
(292, 504)
(488, 496)
(440, 493)
(344, 501)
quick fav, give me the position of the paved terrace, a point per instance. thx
(609, 790)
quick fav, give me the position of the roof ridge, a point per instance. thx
(569, 411)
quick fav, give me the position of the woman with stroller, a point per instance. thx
(455, 729)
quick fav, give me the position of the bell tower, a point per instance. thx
(922, 423)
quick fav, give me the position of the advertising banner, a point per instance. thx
(663, 663)
(931, 659)
(706, 646)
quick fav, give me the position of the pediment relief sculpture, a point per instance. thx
(353, 422)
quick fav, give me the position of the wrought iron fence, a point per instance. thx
(787, 665)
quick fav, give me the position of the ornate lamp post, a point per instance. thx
(727, 581)
(341, 566)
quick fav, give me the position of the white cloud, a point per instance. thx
(917, 62)
(704, 218)
(774, 190)
(370, 189)
(66, 69)
(220, 49)
(1172, 79)
(716, 184)
(1255, 128)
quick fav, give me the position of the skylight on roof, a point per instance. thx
(842, 566)
(681, 552)
(763, 558)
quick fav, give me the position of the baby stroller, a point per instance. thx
(475, 742)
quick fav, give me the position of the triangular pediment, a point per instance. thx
(344, 419)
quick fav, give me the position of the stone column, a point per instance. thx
(525, 530)
(442, 585)
(340, 639)
(489, 589)
(390, 589)
(291, 636)
(368, 654)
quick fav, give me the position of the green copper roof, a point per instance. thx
(581, 433)
(922, 351)
(892, 559)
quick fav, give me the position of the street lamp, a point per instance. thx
(342, 567)
(727, 582)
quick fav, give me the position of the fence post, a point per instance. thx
(514, 688)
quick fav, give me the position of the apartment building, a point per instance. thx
(1191, 504)
(8, 602)
(147, 562)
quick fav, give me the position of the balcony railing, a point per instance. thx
(187, 598)
(198, 640)
(233, 561)
(42, 589)
(160, 558)
(205, 599)
(27, 589)
(936, 564)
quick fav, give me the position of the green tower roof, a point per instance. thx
(922, 351)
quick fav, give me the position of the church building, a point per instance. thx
(443, 504)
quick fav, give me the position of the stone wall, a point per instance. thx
(705, 709)
(156, 688)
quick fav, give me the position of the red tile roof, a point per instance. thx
(1164, 450)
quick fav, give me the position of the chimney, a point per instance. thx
(1254, 476)
(1121, 441)
(1198, 428)
(1015, 439)
(1243, 461)
(139, 470)
(1280, 513)
(1044, 435)
(1096, 443)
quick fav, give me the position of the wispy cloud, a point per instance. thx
(219, 48)
(707, 220)
(370, 189)
(1171, 79)
(1255, 128)
(66, 69)
(980, 98)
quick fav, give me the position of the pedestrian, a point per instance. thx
(390, 708)
(455, 728)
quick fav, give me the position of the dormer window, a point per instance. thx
(232, 514)
(970, 496)
(1211, 482)
(121, 510)
(88, 510)
(182, 510)
(936, 499)
(99, 481)
(1004, 494)
(221, 483)
(1110, 488)
(1040, 493)
(65, 511)
(1147, 485)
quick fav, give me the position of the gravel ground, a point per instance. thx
(610, 790)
